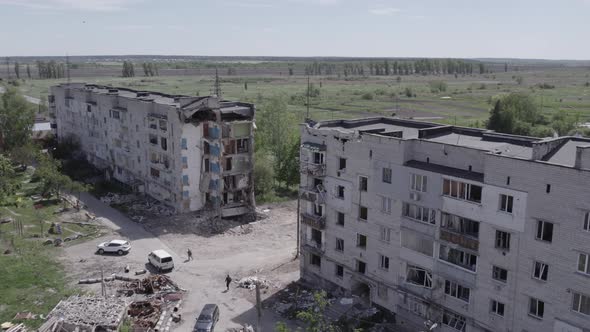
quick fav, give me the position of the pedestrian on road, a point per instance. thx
(227, 281)
(190, 254)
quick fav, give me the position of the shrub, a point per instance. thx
(408, 92)
(437, 86)
(367, 96)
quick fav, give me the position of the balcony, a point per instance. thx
(312, 220)
(459, 239)
(314, 246)
(317, 170)
(313, 194)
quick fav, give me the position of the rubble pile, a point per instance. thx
(153, 284)
(145, 314)
(112, 198)
(250, 282)
(86, 313)
(9, 327)
(244, 328)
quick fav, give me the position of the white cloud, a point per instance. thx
(83, 5)
(384, 11)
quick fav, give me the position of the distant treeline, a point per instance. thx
(51, 69)
(386, 68)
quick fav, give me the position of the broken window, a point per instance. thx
(183, 144)
(163, 125)
(206, 148)
(363, 213)
(544, 231)
(386, 176)
(153, 139)
(506, 202)
(315, 260)
(456, 290)
(242, 145)
(88, 108)
(316, 236)
(586, 225)
(341, 164)
(154, 172)
(459, 225)
(340, 192)
(361, 267)
(418, 182)
(497, 308)
(361, 241)
(184, 162)
(228, 164)
(185, 180)
(418, 276)
(419, 213)
(502, 240)
(318, 210)
(414, 241)
(340, 219)
(363, 183)
(318, 158)
(461, 190)
(453, 320)
(164, 143)
(499, 274)
(383, 262)
(458, 257)
(339, 271)
(339, 245)
(540, 271)
(206, 165)
(115, 114)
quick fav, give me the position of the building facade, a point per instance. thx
(187, 152)
(472, 229)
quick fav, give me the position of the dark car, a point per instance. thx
(207, 318)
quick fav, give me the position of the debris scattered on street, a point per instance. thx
(250, 282)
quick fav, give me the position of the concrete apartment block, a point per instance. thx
(187, 152)
(475, 230)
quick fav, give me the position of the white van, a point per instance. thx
(161, 260)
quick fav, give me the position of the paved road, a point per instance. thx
(203, 277)
(30, 99)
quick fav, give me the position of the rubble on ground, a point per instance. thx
(250, 282)
(153, 284)
(145, 314)
(10, 327)
(112, 198)
(86, 313)
(244, 328)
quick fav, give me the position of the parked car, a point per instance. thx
(161, 260)
(207, 318)
(115, 246)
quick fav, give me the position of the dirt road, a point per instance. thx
(258, 248)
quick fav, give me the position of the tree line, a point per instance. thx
(398, 67)
(51, 69)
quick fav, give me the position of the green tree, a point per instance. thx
(28, 71)
(314, 317)
(287, 167)
(17, 69)
(16, 120)
(562, 122)
(8, 184)
(514, 113)
(437, 86)
(263, 173)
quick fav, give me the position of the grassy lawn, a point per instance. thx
(31, 278)
(376, 95)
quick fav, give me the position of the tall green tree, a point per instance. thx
(28, 71)
(8, 184)
(17, 69)
(514, 113)
(16, 120)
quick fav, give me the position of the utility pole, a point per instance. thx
(258, 307)
(217, 86)
(298, 223)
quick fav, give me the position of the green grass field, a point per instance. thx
(465, 101)
(32, 279)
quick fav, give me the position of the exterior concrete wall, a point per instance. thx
(367, 155)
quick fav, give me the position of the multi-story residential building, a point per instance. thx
(188, 152)
(475, 230)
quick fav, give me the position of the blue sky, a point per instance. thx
(382, 28)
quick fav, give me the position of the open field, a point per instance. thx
(465, 101)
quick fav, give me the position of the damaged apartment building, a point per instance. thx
(467, 228)
(188, 152)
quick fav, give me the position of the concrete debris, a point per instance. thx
(112, 198)
(107, 279)
(6, 220)
(153, 284)
(244, 328)
(17, 328)
(145, 314)
(346, 300)
(87, 313)
(250, 282)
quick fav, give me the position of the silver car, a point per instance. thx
(115, 246)
(207, 319)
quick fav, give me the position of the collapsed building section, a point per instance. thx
(187, 152)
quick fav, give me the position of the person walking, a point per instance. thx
(190, 254)
(227, 281)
